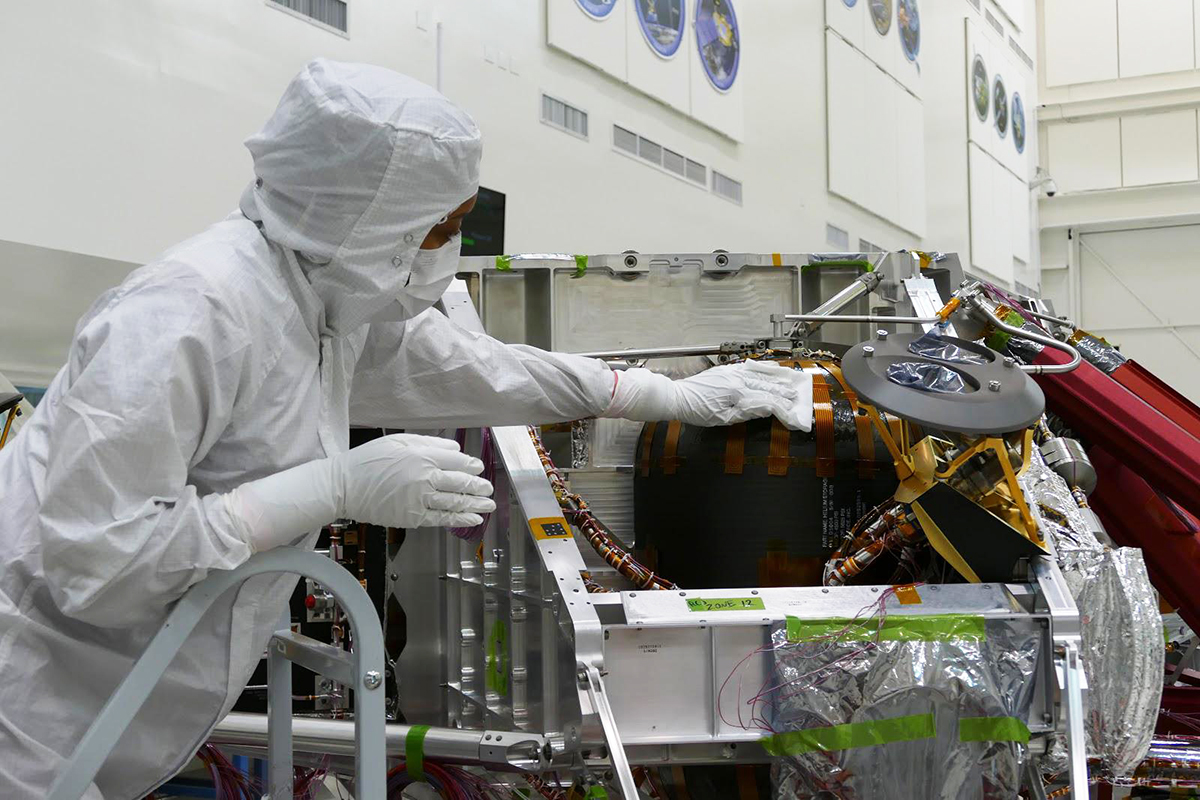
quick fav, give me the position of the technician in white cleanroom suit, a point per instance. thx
(203, 414)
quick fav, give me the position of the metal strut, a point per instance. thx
(362, 670)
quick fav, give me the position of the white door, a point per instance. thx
(1140, 290)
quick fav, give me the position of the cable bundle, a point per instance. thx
(602, 540)
(452, 783)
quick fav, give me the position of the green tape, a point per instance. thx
(999, 339)
(596, 793)
(414, 751)
(992, 729)
(496, 666)
(725, 604)
(855, 734)
(581, 263)
(896, 628)
(861, 263)
(504, 263)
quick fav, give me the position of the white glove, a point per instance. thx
(718, 396)
(397, 481)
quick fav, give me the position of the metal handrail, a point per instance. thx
(365, 661)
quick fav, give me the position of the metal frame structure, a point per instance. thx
(635, 677)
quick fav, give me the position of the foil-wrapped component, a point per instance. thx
(1122, 629)
(926, 376)
(938, 714)
(1097, 352)
(581, 443)
(933, 345)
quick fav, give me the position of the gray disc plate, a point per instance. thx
(1017, 404)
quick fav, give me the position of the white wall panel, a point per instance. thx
(978, 46)
(1131, 294)
(848, 21)
(1155, 37)
(846, 98)
(910, 162)
(1085, 155)
(1015, 11)
(983, 201)
(663, 78)
(1020, 235)
(599, 42)
(880, 154)
(1159, 148)
(1081, 38)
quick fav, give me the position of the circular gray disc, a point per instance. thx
(1017, 404)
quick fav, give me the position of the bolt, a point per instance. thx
(394, 576)
(882, 334)
(1010, 362)
(372, 679)
(994, 385)
(868, 351)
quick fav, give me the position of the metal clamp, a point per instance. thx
(369, 720)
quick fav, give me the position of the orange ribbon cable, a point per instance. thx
(735, 449)
(779, 460)
(823, 422)
(670, 459)
(647, 443)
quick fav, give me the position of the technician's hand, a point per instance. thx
(718, 396)
(409, 481)
(400, 481)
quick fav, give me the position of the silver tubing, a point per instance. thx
(1048, 341)
(370, 767)
(653, 352)
(279, 725)
(506, 750)
(863, 318)
(827, 312)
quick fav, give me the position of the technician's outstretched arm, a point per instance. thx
(429, 373)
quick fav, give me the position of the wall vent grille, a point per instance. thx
(664, 158)
(564, 116)
(327, 12)
(724, 186)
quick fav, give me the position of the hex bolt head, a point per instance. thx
(868, 351)
(881, 334)
(372, 679)
(994, 385)
(1010, 362)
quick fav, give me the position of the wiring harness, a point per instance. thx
(576, 511)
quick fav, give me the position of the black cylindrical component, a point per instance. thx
(755, 504)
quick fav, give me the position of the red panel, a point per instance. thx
(1136, 516)
(1170, 403)
(1107, 414)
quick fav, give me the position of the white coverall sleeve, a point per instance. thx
(149, 387)
(429, 373)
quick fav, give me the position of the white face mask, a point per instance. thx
(431, 275)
